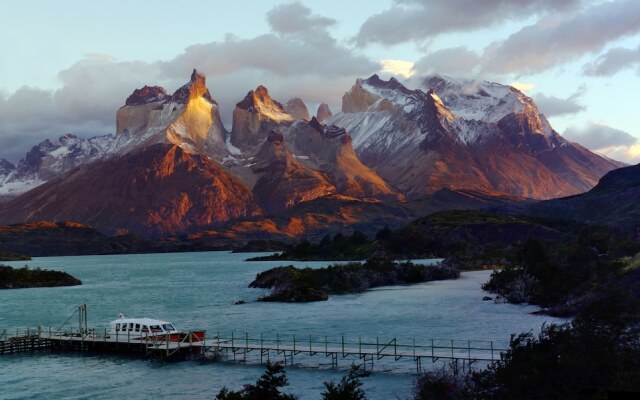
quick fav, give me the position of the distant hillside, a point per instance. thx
(614, 201)
(40, 239)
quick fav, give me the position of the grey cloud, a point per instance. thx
(553, 106)
(451, 61)
(597, 136)
(613, 61)
(558, 39)
(295, 18)
(419, 19)
(92, 91)
(296, 60)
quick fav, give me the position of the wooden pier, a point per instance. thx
(365, 352)
(290, 349)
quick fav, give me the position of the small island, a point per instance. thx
(18, 278)
(295, 285)
(4, 256)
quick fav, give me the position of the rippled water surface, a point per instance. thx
(198, 291)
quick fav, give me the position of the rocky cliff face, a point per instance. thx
(190, 118)
(50, 159)
(463, 135)
(284, 180)
(157, 190)
(254, 117)
(297, 109)
(328, 148)
(323, 113)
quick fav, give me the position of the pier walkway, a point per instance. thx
(290, 349)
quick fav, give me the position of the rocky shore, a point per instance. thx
(18, 278)
(293, 285)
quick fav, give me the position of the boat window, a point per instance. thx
(124, 327)
(168, 327)
(130, 326)
(137, 327)
(145, 328)
(117, 327)
(156, 328)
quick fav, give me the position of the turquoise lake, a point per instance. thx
(198, 291)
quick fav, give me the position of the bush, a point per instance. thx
(349, 387)
(265, 388)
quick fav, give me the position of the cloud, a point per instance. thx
(598, 136)
(603, 139)
(298, 58)
(450, 61)
(397, 67)
(295, 18)
(557, 39)
(521, 86)
(629, 154)
(552, 106)
(417, 20)
(613, 61)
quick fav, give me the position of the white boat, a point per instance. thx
(141, 327)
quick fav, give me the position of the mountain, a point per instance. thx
(170, 169)
(462, 134)
(48, 160)
(254, 117)
(297, 109)
(190, 118)
(284, 180)
(157, 190)
(323, 113)
(614, 201)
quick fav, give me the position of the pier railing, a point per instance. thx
(365, 348)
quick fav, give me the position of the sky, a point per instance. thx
(66, 66)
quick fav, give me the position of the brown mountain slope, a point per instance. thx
(284, 181)
(158, 190)
(460, 134)
(614, 201)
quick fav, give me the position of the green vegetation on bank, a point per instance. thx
(566, 277)
(269, 385)
(16, 278)
(290, 284)
(13, 257)
(357, 246)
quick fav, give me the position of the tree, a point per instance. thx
(265, 388)
(349, 387)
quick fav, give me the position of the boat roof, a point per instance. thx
(141, 321)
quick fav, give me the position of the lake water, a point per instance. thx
(198, 291)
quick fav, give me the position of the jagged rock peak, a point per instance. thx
(324, 112)
(258, 101)
(392, 84)
(196, 87)
(146, 95)
(6, 166)
(330, 131)
(297, 109)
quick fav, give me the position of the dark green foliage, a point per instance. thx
(11, 278)
(355, 247)
(13, 257)
(267, 387)
(443, 384)
(579, 361)
(561, 276)
(349, 388)
(292, 284)
(583, 360)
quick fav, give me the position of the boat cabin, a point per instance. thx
(141, 326)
